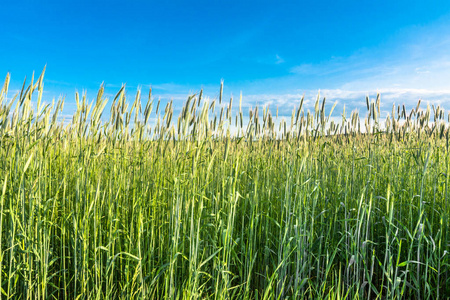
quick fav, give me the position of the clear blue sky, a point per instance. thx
(271, 51)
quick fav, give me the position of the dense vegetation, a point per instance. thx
(138, 204)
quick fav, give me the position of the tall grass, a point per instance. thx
(113, 207)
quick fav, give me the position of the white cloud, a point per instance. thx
(353, 99)
(415, 60)
(422, 71)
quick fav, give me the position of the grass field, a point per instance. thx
(114, 206)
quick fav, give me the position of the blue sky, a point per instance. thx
(272, 51)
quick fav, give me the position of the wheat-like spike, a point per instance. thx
(393, 111)
(378, 103)
(148, 108)
(316, 107)
(221, 92)
(418, 104)
(331, 111)
(374, 110)
(32, 86)
(4, 90)
(297, 115)
(157, 106)
(200, 97)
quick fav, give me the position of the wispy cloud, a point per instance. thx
(416, 59)
(352, 99)
(413, 64)
(304, 69)
(279, 60)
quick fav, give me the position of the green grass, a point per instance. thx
(125, 208)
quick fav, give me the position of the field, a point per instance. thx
(139, 203)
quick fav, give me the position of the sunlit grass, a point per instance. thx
(117, 207)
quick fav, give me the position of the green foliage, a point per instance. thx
(196, 209)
